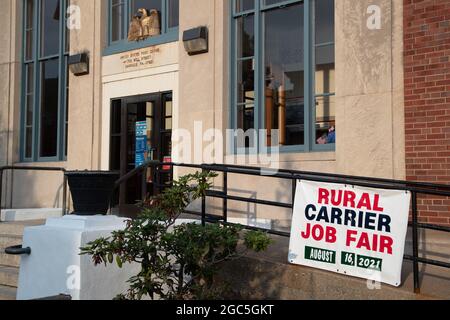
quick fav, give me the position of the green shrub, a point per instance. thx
(177, 262)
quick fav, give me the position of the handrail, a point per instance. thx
(134, 172)
(420, 187)
(412, 186)
(351, 177)
(37, 168)
(18, 250)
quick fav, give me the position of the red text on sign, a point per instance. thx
(374, 242)
(319, 233)
(349, 199)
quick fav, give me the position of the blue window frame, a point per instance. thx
(282, 73)
(121, 13)
(44, 115)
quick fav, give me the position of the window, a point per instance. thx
(45, 90)
(121, 14)
(283, 72)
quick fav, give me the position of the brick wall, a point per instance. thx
(427, 100)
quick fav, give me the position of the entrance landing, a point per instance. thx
(14, 215)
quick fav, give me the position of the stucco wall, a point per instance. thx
(37, 189)
(85, 91)
(369, 85)
(10, 83)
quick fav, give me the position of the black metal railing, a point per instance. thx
(416, 188)
(293, 176)
(36, 169)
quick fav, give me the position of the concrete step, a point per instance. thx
(9, 260)
(16, 228)
(13, 215)
(9, 276)
(8, 293)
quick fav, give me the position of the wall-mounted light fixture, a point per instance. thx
(79, 64)
(196, 40)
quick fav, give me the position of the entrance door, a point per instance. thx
(152, 115)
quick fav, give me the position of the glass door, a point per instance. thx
(141, 131)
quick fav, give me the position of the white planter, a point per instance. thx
(55, 266)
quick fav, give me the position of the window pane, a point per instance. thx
(150, 27)
(146, 4)
(29, 45)
(115, 153)
(244, 5)
(29, 30)
(169, 108)
(67, 30)
(324, 76)
(117, 32)
(30, 13)
(284, 75)
(29, 110)
(116, 119)
(174, 13)
(49, 108)
(168, 112)
(30, 78)
(66, 132)
(246, 81)
(245, 36)
(50, 26)
(246, 122)
(324, 21)
(325, 125)
(245, 117)
(270, 2)
(325, 120)
(168, 124)
(29, 94)
(28, 142)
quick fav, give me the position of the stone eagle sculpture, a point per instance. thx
(135, 30)
(147, 25)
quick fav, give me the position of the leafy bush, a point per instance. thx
(177, 262)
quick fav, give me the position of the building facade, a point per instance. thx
(351, 87)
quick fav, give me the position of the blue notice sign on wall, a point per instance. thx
(141, 143)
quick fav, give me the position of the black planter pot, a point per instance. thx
(91, 191)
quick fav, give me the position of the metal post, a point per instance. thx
(1, 188)
(225, 200)
(144, 184)
(203, 205)
(294, 190)
(64, 201)
(415, 243)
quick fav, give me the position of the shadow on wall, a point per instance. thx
(254, 187)
(236, 209)
(32, 190)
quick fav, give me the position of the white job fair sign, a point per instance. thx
(350, 230)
